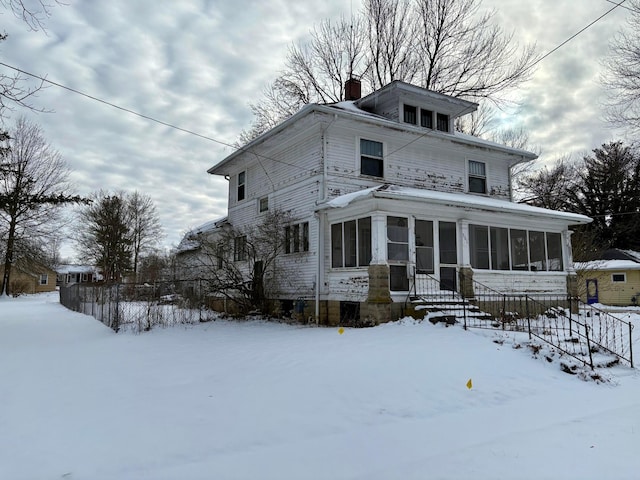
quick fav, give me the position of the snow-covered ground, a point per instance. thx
(258, 400)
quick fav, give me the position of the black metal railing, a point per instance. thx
(579, 330)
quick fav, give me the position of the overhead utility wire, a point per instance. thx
(141, 115)
(205, 137)
(616, 5)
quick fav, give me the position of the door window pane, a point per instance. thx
(424, 246)
(448, 243)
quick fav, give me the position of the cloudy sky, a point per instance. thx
(197, 64)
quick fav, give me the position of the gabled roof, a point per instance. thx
(460, 200)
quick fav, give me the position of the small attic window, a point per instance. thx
(426, 118)
(410, 114)
(442, 122)
(618, 277)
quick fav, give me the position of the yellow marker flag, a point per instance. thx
(469, 384)
(341, 330)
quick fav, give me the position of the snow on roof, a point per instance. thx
(453, 199)
(65, 269)
(608, 265)
(190, 240)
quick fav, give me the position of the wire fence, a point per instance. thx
(140, 307)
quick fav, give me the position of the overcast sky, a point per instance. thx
(197, 65)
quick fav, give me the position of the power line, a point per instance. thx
(142, 115)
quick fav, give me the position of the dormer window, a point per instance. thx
(371, 161)
(241, 186)
(477, 177)
(442, 122)
(410, 115)
(426, 118)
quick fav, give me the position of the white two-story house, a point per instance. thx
(385, 195)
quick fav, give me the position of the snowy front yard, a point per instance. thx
(257, 400)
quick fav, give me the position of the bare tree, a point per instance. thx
(144, 225)
(444, 45)
(16, 89)
(33, 185)
(242, 263)
(623, 72)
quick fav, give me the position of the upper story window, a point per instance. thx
(241, 186)
(426, 118)
(263, 204)
(442, 122)
(477, 177)
(410, 114)
(371, 160)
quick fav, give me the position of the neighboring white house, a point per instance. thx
(69, 273)
(384, 193)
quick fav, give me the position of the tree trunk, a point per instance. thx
(8, 258)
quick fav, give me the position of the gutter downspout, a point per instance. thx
(321, 216)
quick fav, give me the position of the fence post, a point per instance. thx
(570, 316)
(586, 330)
(117, 325)
(630, 344)
(526, 303)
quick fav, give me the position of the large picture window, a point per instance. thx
(371, 160)
(351, 243)
(495, 248)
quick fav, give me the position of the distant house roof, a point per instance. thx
(460, 200)
(619, 254)
(608, 265)
(70, 268)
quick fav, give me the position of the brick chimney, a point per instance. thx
(352, 90)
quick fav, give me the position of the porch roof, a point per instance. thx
(457, 200)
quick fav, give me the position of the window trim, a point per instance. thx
(372, 158)
(624, 277)
(241, 187)
(477, 176)
(260, 203)
(407, 112)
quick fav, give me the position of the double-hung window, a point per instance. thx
(477, 177)
(240, 249)
(241, 186)
(371, 160)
